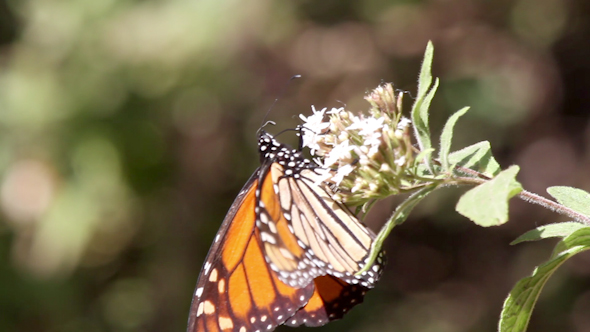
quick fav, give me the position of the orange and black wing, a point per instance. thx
(310, 239)
(236, 290)
(307, 234)
(331, 299)
(285, 253)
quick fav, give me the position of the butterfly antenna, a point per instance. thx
(341, 102)
(281, 94)
(407, 92)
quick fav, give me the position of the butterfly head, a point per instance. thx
(268, 146)
(272, 150)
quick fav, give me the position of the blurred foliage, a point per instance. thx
(127, 128)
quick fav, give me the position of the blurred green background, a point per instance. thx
(127, 128)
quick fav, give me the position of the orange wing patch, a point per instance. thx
(236, 290)
(235, 241)
(282, 248)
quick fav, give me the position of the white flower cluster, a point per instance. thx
(363, 156)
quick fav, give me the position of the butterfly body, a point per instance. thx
(286, 252)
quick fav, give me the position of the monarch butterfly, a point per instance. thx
(286, 252)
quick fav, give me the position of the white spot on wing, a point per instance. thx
(213, 276)
(199, 292)
(225, 323)
(265, 237)
(272, 227)
(200, 309)
(208, 307)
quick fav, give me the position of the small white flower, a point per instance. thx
(343, 137)
(323, 174)
(373, 151)
(371, 126)
(357, 186)
(403, 124)
(384, 168)
(313, 126)
(315, 122)
(363, 159)
(335, 110)
(341, 173)
(401, 161)
(357, 123)
(340, 152)
(373, 142)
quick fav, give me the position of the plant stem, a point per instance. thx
(533, 198)
(526, 196)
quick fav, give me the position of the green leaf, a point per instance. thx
(574, 198)
(423, 157)
(423, 100)
(561, 229)
(425, 79)
(447, 136)
(487, 204)
(578, 238)
(400, 215)
(519, 305)
(477, 157)
(427, 174)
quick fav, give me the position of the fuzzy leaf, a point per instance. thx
(421, 162)
(423, 100)
(561, 229)
(447, 136)
(477, 157)
(487, 204)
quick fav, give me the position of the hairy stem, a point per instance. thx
(533, 198)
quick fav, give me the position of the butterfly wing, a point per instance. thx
(236, 290)
(309, 234)
(285, 250)
(331, 299)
